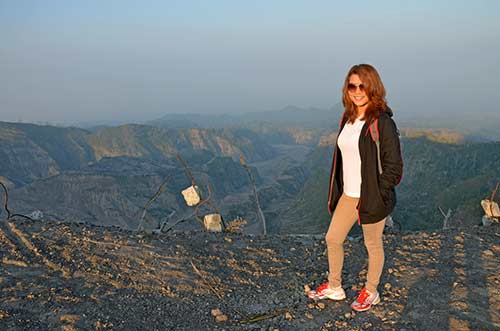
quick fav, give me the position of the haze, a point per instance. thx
(73, 61)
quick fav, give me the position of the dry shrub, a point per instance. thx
(235, 226)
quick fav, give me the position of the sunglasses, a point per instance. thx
(352, 88)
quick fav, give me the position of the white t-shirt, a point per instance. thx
(351, 161)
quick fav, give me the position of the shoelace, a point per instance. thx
(362, 296)
(322, 287)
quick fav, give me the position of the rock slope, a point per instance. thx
(70, 276)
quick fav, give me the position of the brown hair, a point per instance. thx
(374, 90)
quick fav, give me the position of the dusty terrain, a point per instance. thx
(70, 276)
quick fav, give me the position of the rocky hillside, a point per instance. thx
(106, 176)
(157, 144)
(71, 276)
(30, 152)
(113, 191)
(436, 174)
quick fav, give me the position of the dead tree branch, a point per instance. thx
(164, 223)
(6, 207)
(162, 229)
(209, 204)
(160, 190)
(446, 218)
(260, 214)
(494, 192)
(188, 172)
(206, 201)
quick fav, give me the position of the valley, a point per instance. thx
(106, 176)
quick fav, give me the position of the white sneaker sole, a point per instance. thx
(331, 297)
(335, 298)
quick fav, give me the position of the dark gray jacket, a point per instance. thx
(378, 196)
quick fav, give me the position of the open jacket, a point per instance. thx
(378, 197)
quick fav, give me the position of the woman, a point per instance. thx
(362, 181)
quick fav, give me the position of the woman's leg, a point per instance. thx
(373, 242)
(344, 217)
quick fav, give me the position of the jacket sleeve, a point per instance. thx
(390, 154)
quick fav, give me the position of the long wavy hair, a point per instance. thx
(374, 89)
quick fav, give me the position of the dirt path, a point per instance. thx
(68, 276)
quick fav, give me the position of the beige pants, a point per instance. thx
(344, 217)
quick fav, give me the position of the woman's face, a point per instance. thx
(356, 91)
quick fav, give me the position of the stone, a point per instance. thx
(69, 318)
(488, 253)
(221, 318)
(191, 195)
(216, 312)
(213, 222)
(490, 208)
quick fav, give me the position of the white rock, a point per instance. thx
(191, 195)
(213, 222)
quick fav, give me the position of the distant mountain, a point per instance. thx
(475, 126)
(29, 152)
(289, 116)
(107, 176)
(157, 143)
(276, 126)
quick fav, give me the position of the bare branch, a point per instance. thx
(188, 172)
(442, 212)
(9, 215)
(209, 205)
(160, 190)
(260, 214)
(162, 229)
(494, 192)
(446, 218)
(6, 198)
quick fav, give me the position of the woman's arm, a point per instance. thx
(390, 154)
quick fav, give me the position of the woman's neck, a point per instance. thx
(361, 110)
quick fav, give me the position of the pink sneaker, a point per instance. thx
(324, 291)
(365, 300)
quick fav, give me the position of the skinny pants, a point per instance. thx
(344, 217)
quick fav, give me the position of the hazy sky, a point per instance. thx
(67, 61)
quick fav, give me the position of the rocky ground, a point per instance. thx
(69, 276)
